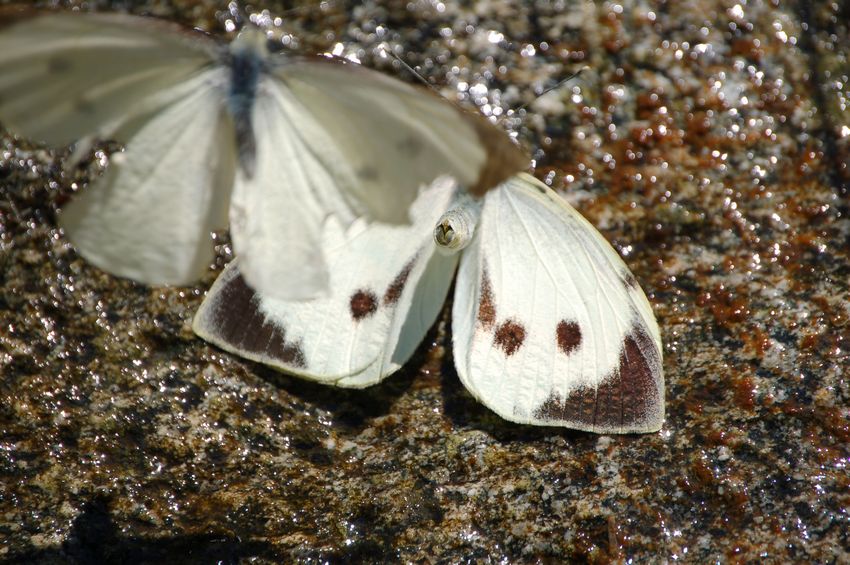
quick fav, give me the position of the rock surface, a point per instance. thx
(709, 141)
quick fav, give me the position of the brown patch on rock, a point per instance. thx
(393, 292)
(569, 336)
(363, 303)
(509, 336)
(744, 392)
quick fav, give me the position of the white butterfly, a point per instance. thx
(549, 325)
(278, 143)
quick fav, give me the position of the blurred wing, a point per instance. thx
(67, 75)
(150, 215)
(387, 287)
(381, 139)
(333, 138)
(550, 327)
(277, 213)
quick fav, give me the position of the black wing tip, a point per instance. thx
(628, 400)
(230, 317)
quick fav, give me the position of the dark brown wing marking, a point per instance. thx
(568, 334)
(363, 303)
(628, 398)
(509, 336)
(640, 363)
(240, 323)
(486, 306)
(393, 292)
(578, 408)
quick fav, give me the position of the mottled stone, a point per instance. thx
(706, 141)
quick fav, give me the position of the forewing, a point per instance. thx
(278, 210)
(550, 327)
(379, 274)
(150, 215)
(381, 139)
(66, 75)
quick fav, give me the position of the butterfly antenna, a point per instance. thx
(386, 49)
(556, 86)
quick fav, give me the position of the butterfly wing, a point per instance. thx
(386, 288)
(150, 215)
(550, 327)
(277, 213)
(390, 138)
(65, 76)
(152, 85)
(334, 138)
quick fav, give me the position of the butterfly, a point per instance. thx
(273, 143)
(549, 326)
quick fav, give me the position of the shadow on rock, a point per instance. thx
(94, 538)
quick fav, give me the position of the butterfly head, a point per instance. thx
(445, 235)
(251, 42)
(455, 228)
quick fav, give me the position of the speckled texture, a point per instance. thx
(708, 141)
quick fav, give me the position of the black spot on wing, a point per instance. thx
(239, 322)
(363, 304)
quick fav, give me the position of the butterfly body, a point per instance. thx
(247, 60)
